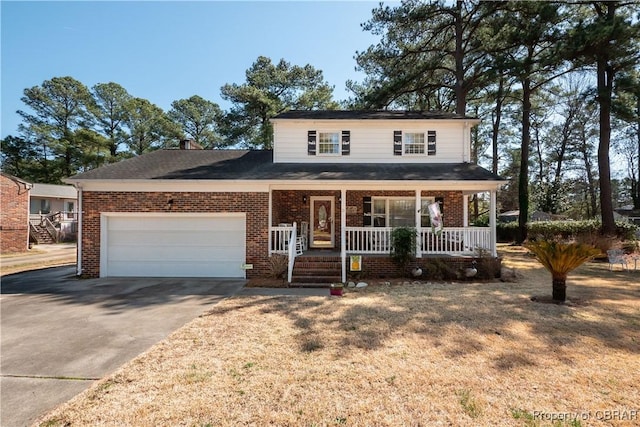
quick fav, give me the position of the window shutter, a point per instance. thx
(311, 142)
(431, 143)
(346, 142)
(397, 142)
(366, 211)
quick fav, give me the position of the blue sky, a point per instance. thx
(164, 51)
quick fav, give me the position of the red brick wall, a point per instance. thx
(14, 216)
(255, 205)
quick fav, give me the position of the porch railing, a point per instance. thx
(451, 240)
(292, 251)
(280, 237)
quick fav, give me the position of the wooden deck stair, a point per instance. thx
(41, 234)
(317, 269)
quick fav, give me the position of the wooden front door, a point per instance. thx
(322, 228)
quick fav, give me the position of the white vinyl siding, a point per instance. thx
(371, 141)
(177, 245)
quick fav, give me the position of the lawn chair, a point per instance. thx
(616, 256)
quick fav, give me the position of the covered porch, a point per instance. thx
(359, 221)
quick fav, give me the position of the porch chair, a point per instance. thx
(616, 256)
(303, 237)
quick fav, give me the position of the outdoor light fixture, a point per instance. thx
(304, 199)
(169, 204)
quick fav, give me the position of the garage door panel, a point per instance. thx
(172, 237)
(175, 253)
(174, 246)
(178, 269)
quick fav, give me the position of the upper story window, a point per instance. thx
(414, 143)
(328, 143)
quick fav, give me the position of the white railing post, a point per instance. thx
(292, 252)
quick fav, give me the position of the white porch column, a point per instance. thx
(418, 224)
(269, 218)
(465, 210)
(343, 233)
(492, 223)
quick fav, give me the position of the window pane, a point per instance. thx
(402, 213)
(379, 213)
(414, 143)
(328, 143)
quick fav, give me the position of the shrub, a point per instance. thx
(563, 230)
(403, 246)
(278, 266)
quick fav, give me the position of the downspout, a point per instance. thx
(28, 186)
(343, 233)
(79, 239)
(418, 220)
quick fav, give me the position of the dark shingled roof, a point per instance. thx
(258, 165)
(370, 115)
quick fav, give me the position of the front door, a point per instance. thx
(322, 223)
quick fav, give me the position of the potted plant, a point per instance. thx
(336, 289)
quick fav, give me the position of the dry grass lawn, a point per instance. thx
(430, 354)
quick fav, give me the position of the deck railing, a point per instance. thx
(280, 236)
(377, 240)
(451, 240)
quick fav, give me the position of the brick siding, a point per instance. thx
(255, 205)
(288, 206)
(14, 216)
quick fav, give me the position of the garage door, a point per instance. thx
(173, 246)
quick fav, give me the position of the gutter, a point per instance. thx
(79, 244)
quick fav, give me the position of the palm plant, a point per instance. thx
(559, 259)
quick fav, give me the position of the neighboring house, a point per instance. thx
(53, 210)
(14, 214)
(345, 179)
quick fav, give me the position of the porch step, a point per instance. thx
(317, 269)
(42, 236)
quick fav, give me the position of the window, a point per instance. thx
(414, 143)
(411, 143)
(399, 212)
(328, 143)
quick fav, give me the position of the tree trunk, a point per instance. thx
(636, 199)
(559, 289)
(461, 102)
(523, 179)
(605, 82)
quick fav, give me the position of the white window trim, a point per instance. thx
(404, 144)
(339, 144)
(425, 134)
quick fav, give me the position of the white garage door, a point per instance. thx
(173, 246)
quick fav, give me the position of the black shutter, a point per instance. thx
(346, 142)
(431, 143)
(397, 142)
(366, 211)
(311, 143)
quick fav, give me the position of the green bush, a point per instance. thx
(550, 230)
(403, 246)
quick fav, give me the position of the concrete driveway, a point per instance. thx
(60, 333)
